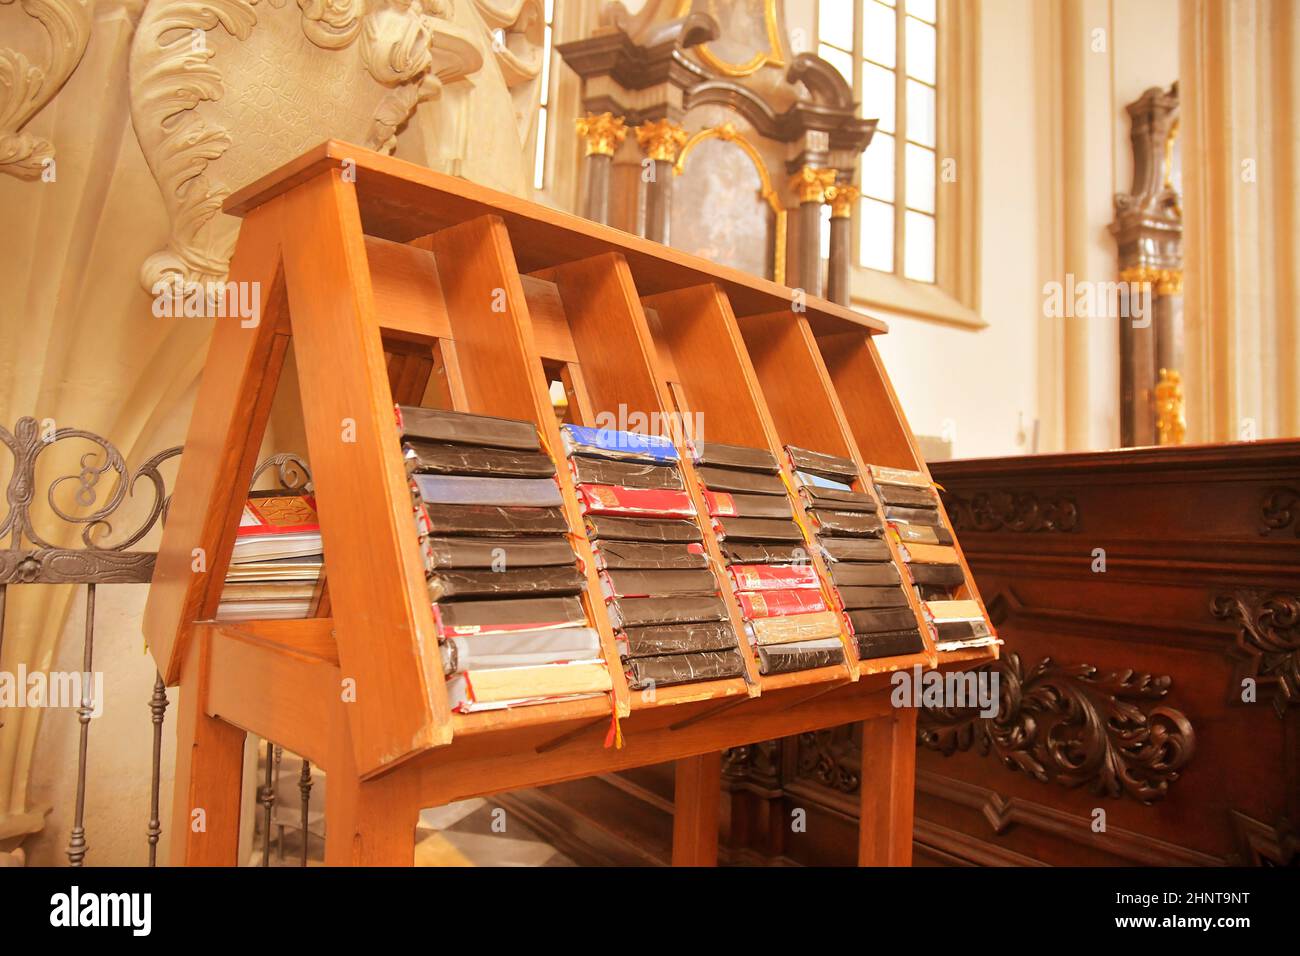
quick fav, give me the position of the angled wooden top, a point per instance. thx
(401, 201)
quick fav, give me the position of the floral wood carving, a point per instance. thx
(831, 757)
(1072, 725)
(1011, 511)
(25, 88)
(1280, 510)
(202, 97)
(1267, 648)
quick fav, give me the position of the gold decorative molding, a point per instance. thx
(1164, 281)
(769, 57)
(811, 184)
(604, 132)
(1171, 416)
(728, 133)
(842, 198)
(26, 88)
(661, 140)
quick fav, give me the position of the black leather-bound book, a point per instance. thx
(523, 582)
(834, 523)
(821, 464)
(922, 516)
(753, 552)
(489, 520)
(887, 619)
(676, 638)
(736, 456)
(651, 612)
(908, 497)
(625, 474)
(617, 555)
(860, 598)
(855, 549)
(462, 428)
(645, 672)
(490, 614)
(757, 529)
(733, 479)
(498, 553)
(640, 584)
(833, 499)
(847, 574)
(783, 658)
(937, 575)
(890, 643)
(424, 457)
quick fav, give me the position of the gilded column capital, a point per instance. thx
(661, 140)
(811, 184)
(842, 196)
(1164, 281)
(604, 132)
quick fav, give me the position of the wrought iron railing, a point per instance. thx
(29, 557)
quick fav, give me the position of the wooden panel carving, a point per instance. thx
(1074, 725)
(1267, 649)
(1012, 511)
(1280, 511)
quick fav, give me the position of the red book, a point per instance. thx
(772, 577)
(640, 502)
(780, 603)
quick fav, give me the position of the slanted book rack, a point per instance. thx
(396, 284)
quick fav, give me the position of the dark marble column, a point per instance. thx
(810, 186)
(603, 133)
(839, 269)
(661, 141)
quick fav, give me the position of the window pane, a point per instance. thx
(918, 243)
(539, 160)
(920, 113)
(919, 176)
(546, 67)
(878, 168)
(839, 59)
(920, 50)
(878, 33)
(925, 9)
(876, 240)
(835, 23)
(878, 96)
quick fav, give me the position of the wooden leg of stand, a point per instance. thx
(888, 787)
(695, 810)
(369, 823)
(209, 774)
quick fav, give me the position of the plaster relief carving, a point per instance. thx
(25, 87)
(216, 103)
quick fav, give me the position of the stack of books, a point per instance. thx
(850, 535)
(502, 575)
(662, 596)
(275, 567)
(912, 513)
(786, 615)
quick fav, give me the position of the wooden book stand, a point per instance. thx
(398, 284)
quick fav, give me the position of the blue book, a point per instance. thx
(610, 443)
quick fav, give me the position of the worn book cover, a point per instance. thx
(770, 577)
(838, 550)
(801, 459)
(519, 582)
(780, 603)
(757, 529)
(462, 428)
(727, 504)
(644, 584)
(473, 490)
(645, 672)
(877, 620)
(627, 474)
(796, 627)
(845, 523)
(488, 520)
(847, 575)
(856, 598)
(676, 638)
(732, 479)
(647, 555)
(520, 649)
(496, 553)
(613, 527)
(652, 612)
(735, 456)
(424, 457)
(493, 688)
(465, 618)
(783, 658)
